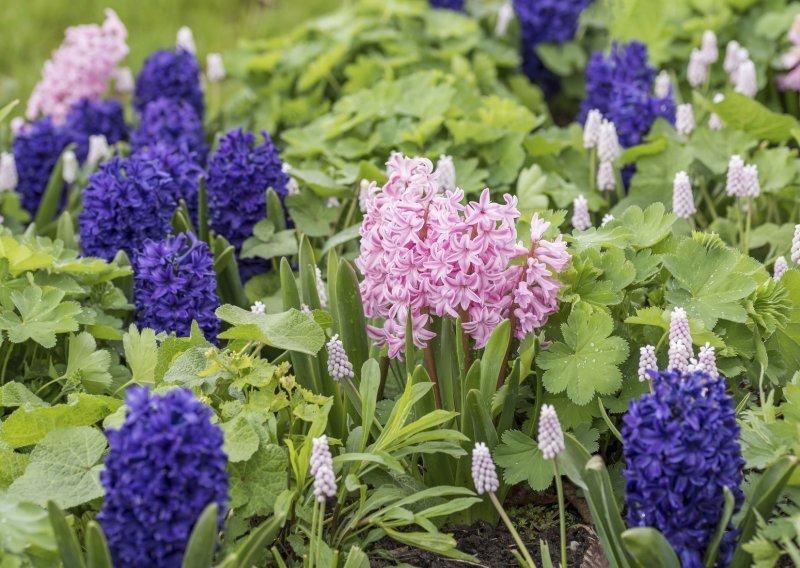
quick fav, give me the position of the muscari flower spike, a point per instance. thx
(606, 180)
(591, 129)
(709, 47)
(795, 254)
(551, 436)
(647, 362)
(172, 74)
(445, 173)
(681, 449)
(70, 167)
(37, 147)
(164, 467)
(215, 68)
(735, 177)
(779, 268)
(123, 206)
(680, 340)
(608, 148)
(706, 361)
(185, 40)
(684, 119)
(175, 284)
(698, 69)
(321, 465)
(8, 172)
(88, 118)
(239, 174)
(339, 366)
(174, 122)
(682, 198)
(746, 79)
(714, 121)
(580, 215)
(662, 85)
(484, 473)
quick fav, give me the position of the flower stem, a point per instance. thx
(561, 514)
(747, 225)
(712, 209)
(321, 529)
(311, 552)
(521, 545)
(607, 420)
(592, 169)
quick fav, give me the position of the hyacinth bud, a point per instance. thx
(484, 474)
(608, 143)
(445, 173)
(215, 68)
(551, 437)
(663, 84)
(305, 309)
(697, 72)
(322, 469)
(606, 181)
(332, 203)
(70, 166)
(751, 187)
(504, 16)
(8, 172)
(796, 245)
(607, 218)
(258, 307)
(779, 268)
(591, 129)
(684, 119)
(731, 61)
(682, 198)
(709, 47)
(339, 366)
(647, 362)
(746, 80)
(580, 215)
(16, 124)
(707, 361)
(680, 340)
(123, 80)
(185, 40)
(321, 290)
(714, 121)
(735, 179)
(99, 150)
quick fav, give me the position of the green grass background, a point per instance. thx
(31, 29)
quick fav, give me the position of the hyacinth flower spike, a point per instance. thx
(551, 443)
(484, 477)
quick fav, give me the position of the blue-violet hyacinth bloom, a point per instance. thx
(681, 449)
(171, 121)
(239, 174)
(620, 86)
(184, 173)
(164, 467)
(175, 283)
(173, 74)
(545, 21)
(457, 5)
(37, 148)
(124, 205)
(88, 118)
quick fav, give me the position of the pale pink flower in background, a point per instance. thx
(750, 184)
(123, 80)
(591, 129)
(70, 166)
(795, 254)
(697, 71)
(215, 68)
(446, 173)
(680, 340)
(185, 40)
(16, 124)
(682, 199)
(647, 362)
(606, 181)
(714, 121)
(8, 172)
(746, 80)
(684, 119)
(551, 436)
(663, 84)
(608, 148)
(735, 177)
(734, 54)
(580, 215)
(80, 68)
(709, 48)
(779, 268)
(791, 60)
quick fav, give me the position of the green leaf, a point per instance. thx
(141, 354)
(256, 483)
(64, 468)
(586, 363)
(649, 547)
(648, 227)
(41, 316)
(97, 555)
(87, 365)
(521, 459)
(709, 285)
(203, 540)
(25, 525)
(349, 312)
(291, 330)
(241, 439)
(28, 425)
(268, 243)
(68, 547)
(16, 394)
(51, 198)
(741, 112)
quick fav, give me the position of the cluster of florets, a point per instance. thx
(620, 87)
(682, 197)
(95, 118)
(37, 147)
(742, 179)
(681, 450)
(174, 122)
(81, 68)
(424, 253)
(790, 60)
(171, 74)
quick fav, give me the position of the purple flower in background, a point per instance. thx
(620, 86)
(184, 174)
(239, 174)
(165, 466)
(545, 21)
(457, 5)
(173, 74)
(171, 121)
(88, 118)
(123, 205)
(36, 148)
(681, 449)
(174, 284)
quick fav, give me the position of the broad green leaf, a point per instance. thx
(25, 525)
(241, 439)
(257, 482)
(743, 113)
(88, 365)
(648, 227)
(42, 315)
(64, 468)
(521, 459)
(16, 394)
(12, 465)
(291, 330)
(141, 354)
(649, 547)
(586, 363)
(22, 258)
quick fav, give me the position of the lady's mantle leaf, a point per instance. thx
(587, 362)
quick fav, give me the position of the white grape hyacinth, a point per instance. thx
(445, 173)
(647, 362)
(606, 181)
(8, 172)
(551, 436)
(684, 119)
(339, 366)
(321, 465)
(682, 198)
(591, 129)
(185, 40)
(215, 68)
(70, 166)
(608, 148)
(99, 150)
(663, 84)
(580, 216)
(484, 473)
(779, 268)
(795, 255)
